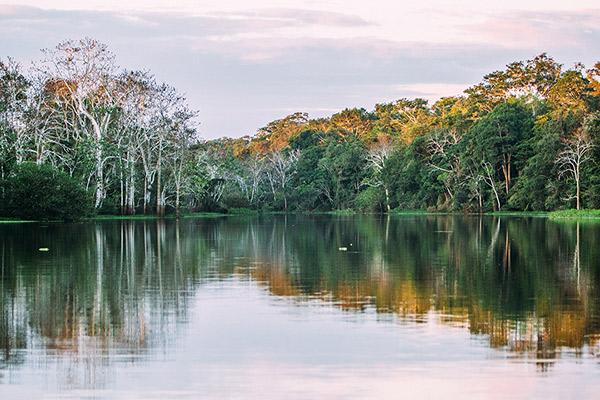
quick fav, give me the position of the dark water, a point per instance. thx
(271, 308)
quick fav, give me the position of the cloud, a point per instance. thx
(534, 29)
(266, 35)
(430, 91)
(264, 22)
(242, 68)
(297, 17)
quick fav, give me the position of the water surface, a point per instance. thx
(301, 307)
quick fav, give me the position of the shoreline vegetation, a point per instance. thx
(588, 215)
(119, 144)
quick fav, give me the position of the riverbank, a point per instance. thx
(13, 221)
(541, 214)
(553, 215)
(587, 215)
(154, 217)
(575, 214)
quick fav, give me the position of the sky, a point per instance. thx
(243, 63)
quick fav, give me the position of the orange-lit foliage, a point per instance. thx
(278, 281)
(277, 134)
(593, 76)
(60, 88)
(540, 335)
(353, 121)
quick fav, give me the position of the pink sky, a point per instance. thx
(244, 63)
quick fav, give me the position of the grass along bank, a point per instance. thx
(13, 221)
(553, 215)
(575, 214)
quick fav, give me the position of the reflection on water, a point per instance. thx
(128, 293)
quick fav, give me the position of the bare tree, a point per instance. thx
(473, 180)
(137, 103)
(377, 159)
(13, 104)
(281, 170)
(576, 152)
(79, 75)
(488, 178)
(182, 136)
(443, 159)
(251, 177)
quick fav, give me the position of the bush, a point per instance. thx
(41, 192)
(241, 211)
(369, 200)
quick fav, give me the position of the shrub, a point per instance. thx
(369, 200)
(241, 211)
(41, 192)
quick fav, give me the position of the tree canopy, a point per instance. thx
(524, 138)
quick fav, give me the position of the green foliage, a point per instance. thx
(575, 214)
(501, 141)
(370, 200)
(41, 192)
(241, 211)
(536, 189)
(309, 179)
(343, 166)
(501, 146)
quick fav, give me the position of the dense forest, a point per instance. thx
(77, 129)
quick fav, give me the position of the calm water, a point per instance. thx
(272, 308)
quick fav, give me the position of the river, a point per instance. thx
(301, 307)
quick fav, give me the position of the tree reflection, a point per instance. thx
(93, 293)
(520, 282)
(530, 286)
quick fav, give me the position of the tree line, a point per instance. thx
(525, 138)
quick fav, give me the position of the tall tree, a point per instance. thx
(499, 139)
(575, 154)
(79, 75)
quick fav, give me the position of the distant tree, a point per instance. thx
(404, 119)
(529, 80)
(354, 121)
(593, 76)
(276, 135)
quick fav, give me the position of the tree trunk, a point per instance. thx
(99, 176)
(146, 194)
(122, 194)
(578, 194)
(506, 172)
(131, 195)
(159, 206)
(177, 194)
(387, 198)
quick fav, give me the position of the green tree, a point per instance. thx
(500, 140)
(537, 187)
(41, 192)
(344, 167)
